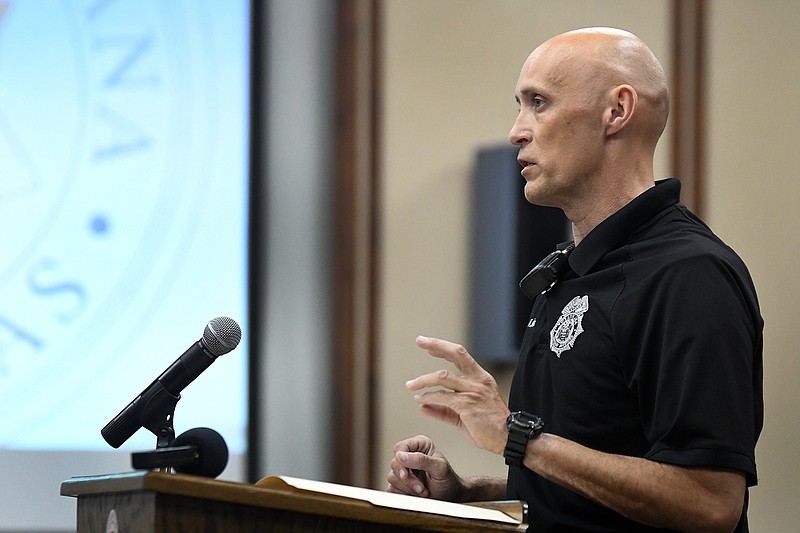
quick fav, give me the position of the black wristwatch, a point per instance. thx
(522, 427)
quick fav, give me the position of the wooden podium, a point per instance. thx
(166, 503)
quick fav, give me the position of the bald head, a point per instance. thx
(592, 106)
(596, 59)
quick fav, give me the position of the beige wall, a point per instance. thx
(450, 69)
(754, 193)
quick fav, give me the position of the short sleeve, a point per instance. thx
(692, 355)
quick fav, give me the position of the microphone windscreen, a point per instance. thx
(212, 452)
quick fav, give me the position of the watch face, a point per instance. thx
(527, 423)
(521, 420)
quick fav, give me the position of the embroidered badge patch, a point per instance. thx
(569, 325)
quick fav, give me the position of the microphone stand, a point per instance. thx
(158, 419)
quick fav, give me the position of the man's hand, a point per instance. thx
(419, 469)
(469, 400)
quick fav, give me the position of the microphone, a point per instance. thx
(220, 336)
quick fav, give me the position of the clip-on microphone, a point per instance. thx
(544, 275)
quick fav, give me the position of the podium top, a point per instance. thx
(285, 497)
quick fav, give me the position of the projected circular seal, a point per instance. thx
(96, 143)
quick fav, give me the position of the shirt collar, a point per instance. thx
(616, 228)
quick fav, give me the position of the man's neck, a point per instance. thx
(585, 218)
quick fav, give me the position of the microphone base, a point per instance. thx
(199, 451)
(165, 458)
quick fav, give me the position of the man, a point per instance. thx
(643, 361)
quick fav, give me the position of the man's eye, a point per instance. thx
(538, 102)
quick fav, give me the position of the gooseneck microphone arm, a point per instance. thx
(154, 408)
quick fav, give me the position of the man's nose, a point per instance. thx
(519, 134)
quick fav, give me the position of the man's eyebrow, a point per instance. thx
(527, 92)
(530, 91)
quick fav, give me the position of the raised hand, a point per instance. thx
(469, 400)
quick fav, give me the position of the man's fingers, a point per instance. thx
(407, 472)
(405, 482)
(441, 413)
(412, 460)
(440, 378)
(420, 443)
(420, 462)
(450, 351)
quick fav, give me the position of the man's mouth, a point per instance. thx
(525, 163)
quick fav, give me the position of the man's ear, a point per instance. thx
(623, 101)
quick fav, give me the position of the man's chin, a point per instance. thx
(536, 196)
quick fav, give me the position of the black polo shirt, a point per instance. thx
(649, 346)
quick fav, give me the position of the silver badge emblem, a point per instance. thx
(569, 325)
